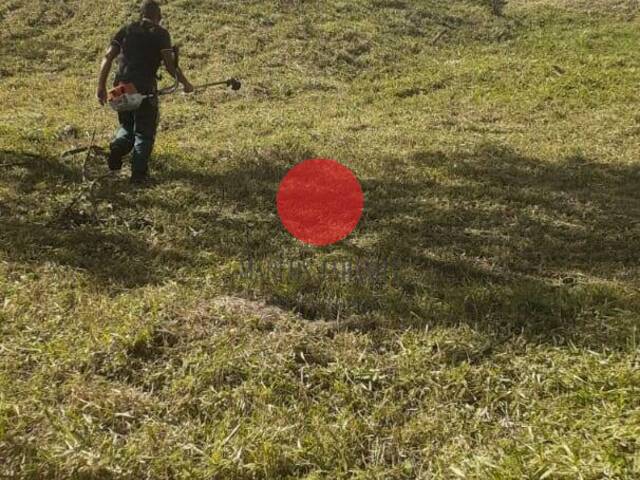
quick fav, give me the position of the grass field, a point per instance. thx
(498, 155)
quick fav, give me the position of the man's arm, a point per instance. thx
(174, 71)
(105, 69)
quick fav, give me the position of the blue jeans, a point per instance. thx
(137, 132)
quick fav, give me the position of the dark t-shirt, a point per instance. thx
(140, 45)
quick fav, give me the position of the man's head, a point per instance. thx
(151, 9)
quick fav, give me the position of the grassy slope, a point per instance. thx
(499, 161)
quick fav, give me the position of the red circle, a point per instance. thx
(320, 201)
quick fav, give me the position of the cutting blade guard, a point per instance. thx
(234, 83)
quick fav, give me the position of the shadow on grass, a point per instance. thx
(529, 216)
(33, 231)
(109, 258)
(512, 244)
(507, 243)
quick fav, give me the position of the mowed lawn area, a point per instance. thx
(178, 331)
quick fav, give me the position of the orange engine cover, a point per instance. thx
(121, 89)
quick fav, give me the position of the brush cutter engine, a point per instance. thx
(125, 98)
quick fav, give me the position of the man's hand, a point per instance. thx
(101, 94)
(188, 88)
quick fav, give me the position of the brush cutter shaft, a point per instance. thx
(212, 84)
(231, 82)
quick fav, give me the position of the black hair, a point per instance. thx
(150, 9)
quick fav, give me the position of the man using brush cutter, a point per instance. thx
(143, 46)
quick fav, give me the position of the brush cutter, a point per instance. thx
(125, 97)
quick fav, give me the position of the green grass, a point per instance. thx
(499, 160)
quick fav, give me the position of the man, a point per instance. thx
(143, 45)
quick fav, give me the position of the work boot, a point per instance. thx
(114, 162)
(138, 178)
